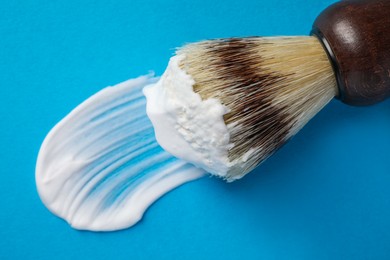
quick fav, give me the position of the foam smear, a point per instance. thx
(100, 167)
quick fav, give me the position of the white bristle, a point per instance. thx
(272, 86)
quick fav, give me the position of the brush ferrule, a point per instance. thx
(333, 61)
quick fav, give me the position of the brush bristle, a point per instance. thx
(272, 86)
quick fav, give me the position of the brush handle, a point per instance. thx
(356, 36)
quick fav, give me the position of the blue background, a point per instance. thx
(325, 195)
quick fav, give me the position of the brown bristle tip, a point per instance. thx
(272, 85)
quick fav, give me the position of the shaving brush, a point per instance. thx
(224, 105)
(272, 86)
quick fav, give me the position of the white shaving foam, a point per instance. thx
(100, 167)
(186, 126)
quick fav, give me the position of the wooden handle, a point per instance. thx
(356, 36)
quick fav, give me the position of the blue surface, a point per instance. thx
(325, 195)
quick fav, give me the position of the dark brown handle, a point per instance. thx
(356, 35)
